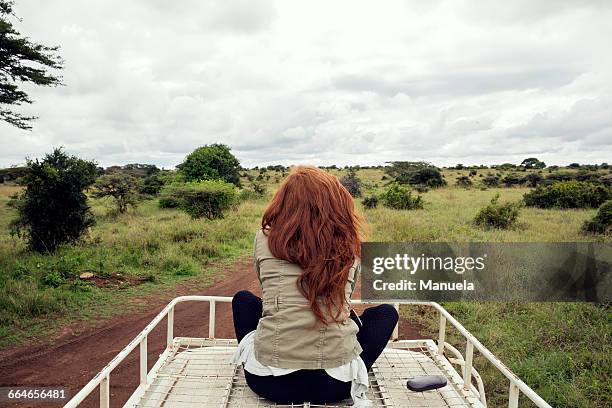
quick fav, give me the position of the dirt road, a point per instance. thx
(72, 361)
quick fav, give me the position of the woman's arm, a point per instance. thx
(255, 263)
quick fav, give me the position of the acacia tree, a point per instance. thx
(22, 61)
(120, 186)
(533, 163)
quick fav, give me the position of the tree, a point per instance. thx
(533, 163)
(53, 210)
(151, 185)
(211, 162)
(120, 186)
(22, 61)
(416, 173)
(464, 181)
(533, 179)
(352, 183)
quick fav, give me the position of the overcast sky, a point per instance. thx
(323, 82)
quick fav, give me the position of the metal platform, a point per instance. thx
(196, 372)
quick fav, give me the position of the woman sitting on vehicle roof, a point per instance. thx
(302, 342)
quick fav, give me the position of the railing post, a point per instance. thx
(513, 397)
(211, 319)
(143, 361)
(441, 334)
(396, 329)
(467, 372)
(170, 332)
(104, 392)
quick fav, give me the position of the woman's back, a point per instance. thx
(288, 334)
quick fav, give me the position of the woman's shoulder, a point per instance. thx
(261, 243)
(260, 236)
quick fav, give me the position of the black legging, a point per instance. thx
(316, 385)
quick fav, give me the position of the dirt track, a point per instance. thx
(72, 361)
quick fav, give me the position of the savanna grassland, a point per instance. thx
(561, 350)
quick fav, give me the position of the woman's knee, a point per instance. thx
(384, 312)
(242, 296)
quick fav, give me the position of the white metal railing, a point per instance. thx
(102, 379)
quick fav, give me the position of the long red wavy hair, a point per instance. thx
(312, 222)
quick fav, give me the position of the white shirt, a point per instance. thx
(354, 371)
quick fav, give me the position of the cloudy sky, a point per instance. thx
(323, 82)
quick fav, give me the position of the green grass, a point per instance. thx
(162, 247)
(561, 350)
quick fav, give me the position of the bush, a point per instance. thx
(211, 162)
(53, 279)
(416, 173)
(204, 198)
(120, 186)
(512, 179)
(256, 191)
(491, 180)
(151, 185)
(168, 202)
(352, 183)
(606, 180)
(559, 176)
(370, 202)
(532, 179)
(496, 215)
(53, 210)
(258, 188)
(586, 175)
(568, 194)
(400, 198)
(602, 222)
(464, 181)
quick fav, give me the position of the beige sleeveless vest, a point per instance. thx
(288, 334)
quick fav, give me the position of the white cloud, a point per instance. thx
(344, 82)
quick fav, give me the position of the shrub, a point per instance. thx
(151, 185)
(532, 179)
(606, 180)
(370, 202)
(352, 183)
(53, 210)
(464, 181)
(400, 198)
(53, 279)
(211, 162)
(602, 222)
(585, 175)
(204, 198)
(512, 179)
(559, 176)
(122, 187)
(473, 172)
(491, 180)
(416, 173)
(258, 188)
(420, 188)
(568, 194)
(168, 202)
(496, 215)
